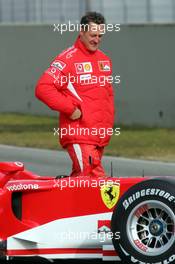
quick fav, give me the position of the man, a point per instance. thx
(73, 86)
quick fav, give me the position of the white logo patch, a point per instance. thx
(84, 67)
(58, 64)
(84, 77)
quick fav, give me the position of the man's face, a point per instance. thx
(92, 37)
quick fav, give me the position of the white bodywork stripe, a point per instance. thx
(62, 233)
(73, 91)
(65, 256)
(78, 153)
(114, 256)
(108, 247)
(71, 256)
(109, 258)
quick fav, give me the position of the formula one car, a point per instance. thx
(107, 218)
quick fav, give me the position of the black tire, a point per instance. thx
(149, 207)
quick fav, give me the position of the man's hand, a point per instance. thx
(76, 114)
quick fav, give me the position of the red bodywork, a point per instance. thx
(28, 201)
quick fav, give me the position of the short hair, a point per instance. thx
(94, 17)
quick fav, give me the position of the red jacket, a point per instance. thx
(78, 78)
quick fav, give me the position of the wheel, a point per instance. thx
(145, 219)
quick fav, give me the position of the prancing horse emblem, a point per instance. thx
(110, 194)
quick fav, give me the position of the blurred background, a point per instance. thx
(143, 56)
(122, 11)
(142, 52)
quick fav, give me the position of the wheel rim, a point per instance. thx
(150, 228)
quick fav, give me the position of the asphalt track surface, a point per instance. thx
(47, 162)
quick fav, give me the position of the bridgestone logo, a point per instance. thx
(18, 187)
(166, 261)
(148, 192)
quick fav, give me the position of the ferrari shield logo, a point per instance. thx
(110, 194)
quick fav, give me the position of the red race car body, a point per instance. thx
(66, 217)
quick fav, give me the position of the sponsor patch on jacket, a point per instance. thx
(84, 67)
(54, 72)
(85, 77)
(104, 65)
(58, 64)
(71, 53)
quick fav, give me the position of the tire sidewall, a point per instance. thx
(136, 195)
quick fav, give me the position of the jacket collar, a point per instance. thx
(80, 45)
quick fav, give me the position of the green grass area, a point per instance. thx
(133, 142)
